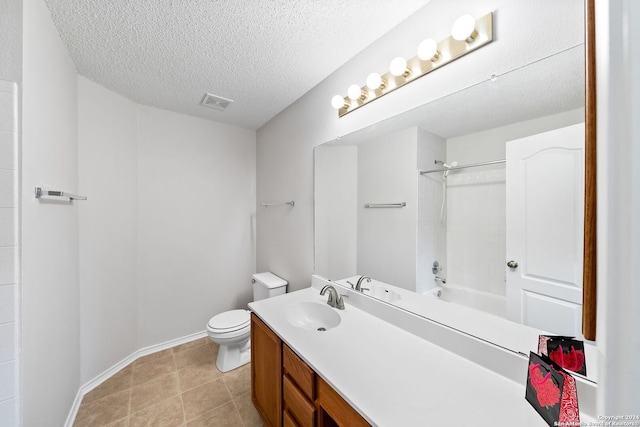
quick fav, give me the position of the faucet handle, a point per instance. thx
(340, 302)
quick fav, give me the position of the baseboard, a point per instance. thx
(86, 388)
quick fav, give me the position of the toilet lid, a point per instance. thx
(230, 321)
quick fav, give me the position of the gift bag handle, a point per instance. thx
(546, 377)
(571, 368)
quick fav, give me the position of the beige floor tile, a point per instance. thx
(238, 381)
(148, 392)
(203, 399)
(152, 392)
(124, 422)
(191, 344)
(199, 354)
(168, 413)
(247, 411)
(119, 382)
(164, 354)
(197, 374)
(152, 370)
(104, 411)
(225, 415)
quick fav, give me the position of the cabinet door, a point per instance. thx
(266, 372)
(333, 410)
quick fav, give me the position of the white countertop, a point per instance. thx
(394, 378)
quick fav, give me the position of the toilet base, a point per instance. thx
(233, 356)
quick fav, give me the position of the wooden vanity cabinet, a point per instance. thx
(266, 373)
(287, 392)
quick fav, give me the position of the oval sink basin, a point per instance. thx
(312, 316)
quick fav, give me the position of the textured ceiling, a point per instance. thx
(263, 54)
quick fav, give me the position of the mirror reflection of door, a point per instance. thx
(545, 178)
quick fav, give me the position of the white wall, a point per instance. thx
(50, 286)
(387, 236)
(167, 236)
(285, 144)
(196, 222)
(336, 211)
(432, 233)
(108, 173)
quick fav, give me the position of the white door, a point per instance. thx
(545, 196)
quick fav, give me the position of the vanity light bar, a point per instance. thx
(465, 38)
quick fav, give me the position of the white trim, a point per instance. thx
(618, 154)
(98, 380)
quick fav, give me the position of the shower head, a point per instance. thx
(446, 165)
(452, 165)
(449, 166)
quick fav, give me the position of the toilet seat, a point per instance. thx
(229, 322)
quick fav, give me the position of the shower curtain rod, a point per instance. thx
(472, 165)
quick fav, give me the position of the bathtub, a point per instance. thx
(484, 301)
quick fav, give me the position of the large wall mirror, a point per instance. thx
(475, 199)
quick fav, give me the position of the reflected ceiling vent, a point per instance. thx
(216, 102)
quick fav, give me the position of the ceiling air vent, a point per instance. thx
(217, 102)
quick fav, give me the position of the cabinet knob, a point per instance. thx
(512, 264)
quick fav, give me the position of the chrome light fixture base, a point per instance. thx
(448, 50)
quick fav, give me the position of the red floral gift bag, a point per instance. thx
(552, 392)
(567, 352)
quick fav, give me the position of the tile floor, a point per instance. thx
(179, 386)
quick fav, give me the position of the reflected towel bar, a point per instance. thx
(291, 203)
(41, 192)
(473, 165)
(385, 205)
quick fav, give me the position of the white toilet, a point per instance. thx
(232, 330)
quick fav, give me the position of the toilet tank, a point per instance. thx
(267, 285)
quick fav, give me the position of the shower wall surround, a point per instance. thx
(9, 271)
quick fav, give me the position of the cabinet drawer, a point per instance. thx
(299, 372)
(297, 405)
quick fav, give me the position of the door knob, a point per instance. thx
(512, 264)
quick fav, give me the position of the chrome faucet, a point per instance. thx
(335, 299)
(359, 287)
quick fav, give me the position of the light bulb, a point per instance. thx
(428, 50)
(338, 102)
(374, 81)
(464, 29)
(354, 92)
(398, 67)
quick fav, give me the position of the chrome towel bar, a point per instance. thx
(41, 192)
(385, 205)
(291, 203)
